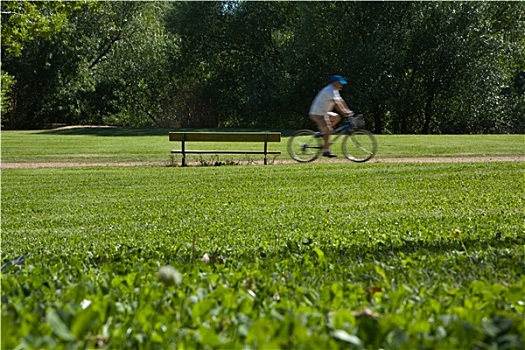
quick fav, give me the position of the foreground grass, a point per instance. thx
(303, 256)
(88, 145)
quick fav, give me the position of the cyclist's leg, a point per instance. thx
(324, 125)
(331, 119)
(334, 118)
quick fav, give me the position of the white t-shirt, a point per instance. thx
(324, 102)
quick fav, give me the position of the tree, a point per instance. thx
(230, 64)
(23, 22)
(95, 66)
(413, 67)
(133, 66)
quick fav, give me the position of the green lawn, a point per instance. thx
(89, 145)
(303, 256)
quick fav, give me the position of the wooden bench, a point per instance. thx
(185, 137)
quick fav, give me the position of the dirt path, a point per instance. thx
(519, 158)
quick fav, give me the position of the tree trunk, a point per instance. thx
(428, 111)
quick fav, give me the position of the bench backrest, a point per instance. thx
(226, 136)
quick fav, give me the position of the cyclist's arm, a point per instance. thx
(342, 107)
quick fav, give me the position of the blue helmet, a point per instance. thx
(338, 78)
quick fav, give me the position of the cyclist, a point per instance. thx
(321, 110)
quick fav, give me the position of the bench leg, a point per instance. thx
(183, 148)
(265, 149)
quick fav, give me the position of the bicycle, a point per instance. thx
(358, 144)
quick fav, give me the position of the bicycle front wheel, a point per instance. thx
(360, 145)
(303, 146)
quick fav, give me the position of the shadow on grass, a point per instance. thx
(381, 251)
(107, 131)
(500, 250)
(116, 131)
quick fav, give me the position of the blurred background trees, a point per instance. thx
(413, 67)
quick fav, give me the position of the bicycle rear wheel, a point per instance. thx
(303, 146)
(360, 145)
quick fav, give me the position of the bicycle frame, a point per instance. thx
(340, 131)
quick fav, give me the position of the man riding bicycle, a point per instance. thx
(321, 110)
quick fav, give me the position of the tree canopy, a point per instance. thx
(412, 67)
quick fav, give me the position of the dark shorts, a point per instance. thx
(319, 120)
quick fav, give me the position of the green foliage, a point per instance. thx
(24, 21)
(413, 67)
(67, 78)
(135, 71)
(6, 84)
(377, 256)
(230, 61)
